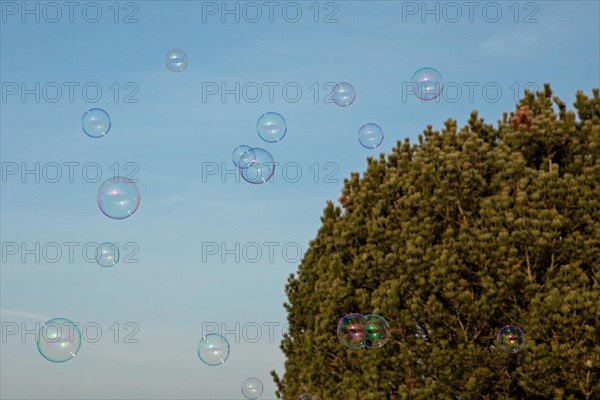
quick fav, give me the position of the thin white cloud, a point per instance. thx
(4, 312)
(516, 43)
(156, 179)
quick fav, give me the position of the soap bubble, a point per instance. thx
(427, 83)
(370, 136)
(213, 349)
(242, 156)
(511, 338)
(108, 254)
(351, 330)
(176, 60)
(261, 168)
(252, 388)
(59, 340)
(118, 197)
(343, 94)
(95, 122)
(306, 396)
(377, 331)
(271, 127)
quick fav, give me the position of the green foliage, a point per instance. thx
(450, 239)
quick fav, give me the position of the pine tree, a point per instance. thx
(450, 239)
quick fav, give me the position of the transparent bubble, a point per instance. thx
(306, 396)
(242, 156)
(108, 254)
(213, 349)
(427, 83)
(377, 331)
(95, 122)
(343, 94)
(118, 197)
(370, 136)
(59, 340)
(261, 168)
(351, 330)
(176, 60)
(252, 388)
(271, 127)
(511, 338)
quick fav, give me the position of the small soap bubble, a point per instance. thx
(271, 127)
(261, 166)
(95, 122)
(59, 340)
(213, 349)
(176, 60)
(511, 338)
(242, 156)
(351, 330)
(377, 331)
(427, 83)
(108, 255)
(370, 136)
(343, 94)
(306, 396)
(252, 388)
(118, 197)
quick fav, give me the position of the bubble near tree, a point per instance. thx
(343, 94)
(370, 135)
(511, 339)
(261, 166)
(213, 349)
(377, 331)
(252, 388)
(427, 83)
(351, 330)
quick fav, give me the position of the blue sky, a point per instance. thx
(176, 133)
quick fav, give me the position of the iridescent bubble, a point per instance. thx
(118, 197)
(242, 156)
(351, 330)
(370, 136)
(108, 254)
(176, 60)
(271, 127)
(343, 94)
(213, 349)
(511, 338)
(261, 168)
(95, 122)
(59, 340)
(306, 396)
(252, 388)
(427, 83)
(377, 331)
